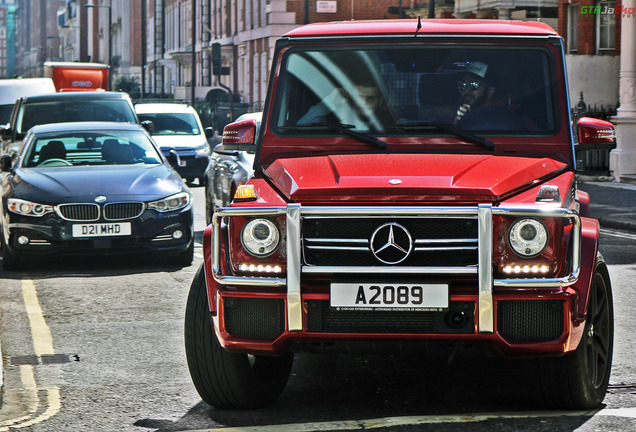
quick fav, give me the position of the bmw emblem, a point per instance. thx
(100, 199)
(395, 181)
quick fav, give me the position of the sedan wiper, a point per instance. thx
(475, 139)
(343, 128)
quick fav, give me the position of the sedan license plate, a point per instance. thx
(383, 296)
(102, 229)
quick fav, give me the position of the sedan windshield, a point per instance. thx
(172, 123)
(90, 148)
(383, 89)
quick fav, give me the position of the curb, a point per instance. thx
(618, 225)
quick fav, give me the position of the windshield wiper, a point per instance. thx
(475, 139)
(343, 128)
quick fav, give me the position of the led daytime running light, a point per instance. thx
(171, 203)
(28, 208)
(260, 268)
(526, 269)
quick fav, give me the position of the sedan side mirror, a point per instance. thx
(595, 134)
(240, 135)
(149, 126)
(6, 163)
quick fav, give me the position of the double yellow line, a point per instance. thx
(42, 345)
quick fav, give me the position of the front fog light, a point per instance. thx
(528, 237)
(23, 240)
(177, 234)
(260, 237)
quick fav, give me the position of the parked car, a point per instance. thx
(64, 107)
(92, 188)
(178, 130)
(227, 169)
(13, 89)
(389, 212)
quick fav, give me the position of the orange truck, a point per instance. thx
(77, 76)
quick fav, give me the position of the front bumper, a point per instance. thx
(548, 322)
(50, 235)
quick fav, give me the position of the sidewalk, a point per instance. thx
(613, 204)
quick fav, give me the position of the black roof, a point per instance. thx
(79, 95)
(85, 126)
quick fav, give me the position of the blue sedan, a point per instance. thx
(92, 188)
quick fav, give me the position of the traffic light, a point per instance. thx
(216, 58)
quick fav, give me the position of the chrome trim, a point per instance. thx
(485, 309)
(484, 270)
(445, 241)
(294, 300)
(329, 240)
(390, 270)
(348, 248)
(131, 203)
(448, 248)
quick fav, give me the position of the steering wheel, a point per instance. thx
(55, 162)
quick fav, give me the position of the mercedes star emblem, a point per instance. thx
(391, 243)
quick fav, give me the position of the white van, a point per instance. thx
(13, 89)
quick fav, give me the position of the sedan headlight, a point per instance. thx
(528, 237)
(28, 208)
(260, 237)
(171, 203)
(202, 151)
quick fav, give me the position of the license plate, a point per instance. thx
(102, 229)
(381, 296)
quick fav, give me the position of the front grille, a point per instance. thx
(254, 317)
(347, 241)
(119, 211)
(530, 320)
(322, 318)
(79, 212)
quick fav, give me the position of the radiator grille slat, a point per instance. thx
(436, 241)
(79, 212)
(125, 210)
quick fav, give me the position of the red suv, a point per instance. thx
(414, 184)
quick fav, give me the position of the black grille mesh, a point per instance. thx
(419, 229)
(321, 317)
(530, 320)
(257, 318)
(79, 212)
(118, 211)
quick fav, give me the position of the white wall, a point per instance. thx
(595, 76)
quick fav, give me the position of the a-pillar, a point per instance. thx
(623, 158)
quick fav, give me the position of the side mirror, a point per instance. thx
(149, 126)
(6, 163)
(240, 135)
(209, 132)
(595, 134)
(5, 132)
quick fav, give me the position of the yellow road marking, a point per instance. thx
(42, 345)
(42, 340)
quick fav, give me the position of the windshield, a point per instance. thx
(398, 90)
(172, 123)
(62, 111)
(90, 148)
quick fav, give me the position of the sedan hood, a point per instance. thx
(83, 184)
(179, 142)
(408, 177)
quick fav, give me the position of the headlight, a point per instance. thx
(202, 151)
(172, 203)
(260, 237)
(28, 208)
(528, 237)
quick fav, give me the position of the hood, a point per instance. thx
(408, 177)
(83, 184)
(179, 141)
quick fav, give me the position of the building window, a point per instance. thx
(573, 28)
(606, 28)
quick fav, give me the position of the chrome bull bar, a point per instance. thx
(483, 213)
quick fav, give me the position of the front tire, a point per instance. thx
(222, 378)
(579, 380)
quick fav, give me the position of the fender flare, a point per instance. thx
(589, 253)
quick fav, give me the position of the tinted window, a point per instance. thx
(172, 123)
(383, 89)
(32, 114)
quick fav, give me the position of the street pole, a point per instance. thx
(110, 38)
(194, 54)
